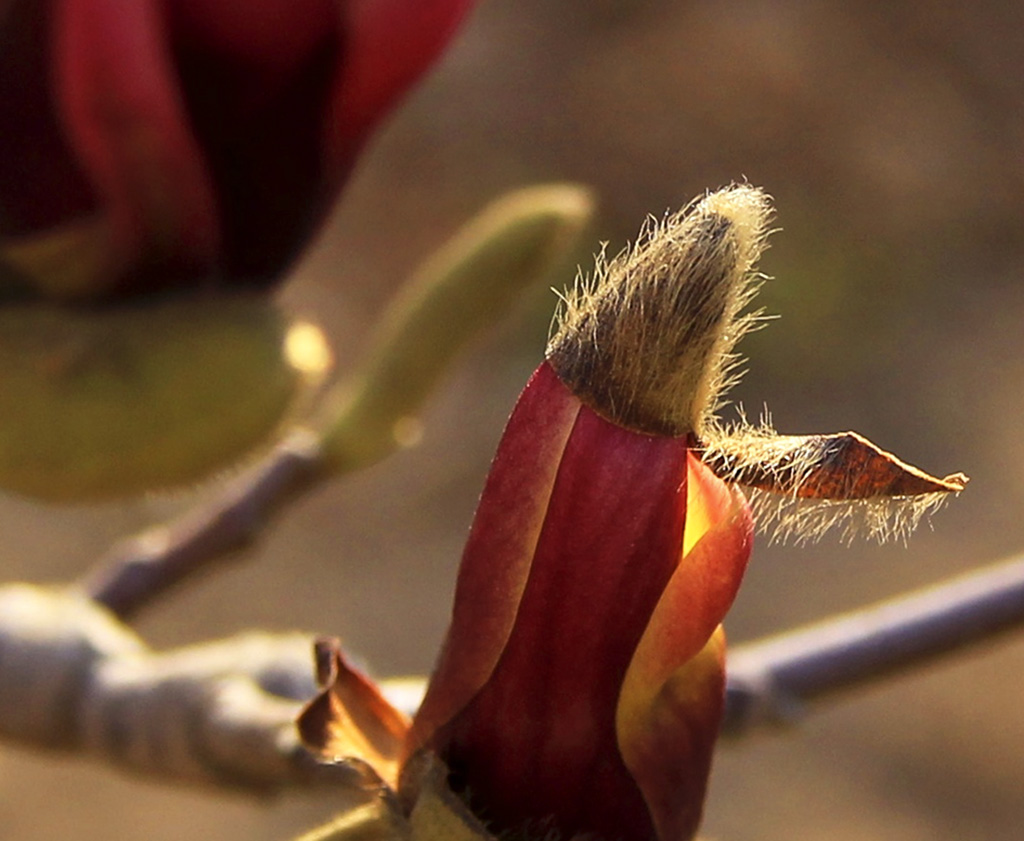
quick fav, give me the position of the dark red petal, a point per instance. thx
(275, 35)
(118, 98)
(259, 85)
(498, 555)
(538, 742)
(389, 44)
(41, 183)
(672, 695)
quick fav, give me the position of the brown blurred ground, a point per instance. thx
(892, 137)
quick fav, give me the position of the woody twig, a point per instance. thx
(222, 713)
(772, 681)
(463, 290)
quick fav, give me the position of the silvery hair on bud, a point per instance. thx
(648, 340)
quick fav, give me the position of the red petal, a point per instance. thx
(118, 98)
(390, 43)
(672, 696)
(41, 185)
(274, 35)
(259, 79)
(538, 741)
(497, 558)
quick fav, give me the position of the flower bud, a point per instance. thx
(581, 683)
(580, 687)
(647, 341)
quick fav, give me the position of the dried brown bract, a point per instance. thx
(802, 485)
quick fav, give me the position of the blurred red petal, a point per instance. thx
(389, 45)
(118, 97)
(271, 34)
(209, 137)
(41, 185)
(259, 105)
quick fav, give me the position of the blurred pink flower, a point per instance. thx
(159, 143)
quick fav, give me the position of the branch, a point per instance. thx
(74, 678)
(140, 569)
(523, 240)
(221, 714)
(771, 681)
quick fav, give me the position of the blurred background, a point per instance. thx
(892, 138)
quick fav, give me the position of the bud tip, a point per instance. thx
(647, 340)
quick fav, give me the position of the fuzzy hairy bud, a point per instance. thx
(647, 341)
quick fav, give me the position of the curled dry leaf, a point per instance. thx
(840, 466)
(350, 721)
